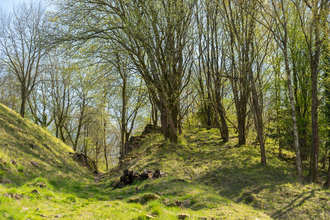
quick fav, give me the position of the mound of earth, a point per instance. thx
(28, 149)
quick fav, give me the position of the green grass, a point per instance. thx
(222, 176)
(219, 178)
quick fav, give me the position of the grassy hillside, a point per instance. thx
(208, 178)
(28, 151)
(32, 159)
(226, 181)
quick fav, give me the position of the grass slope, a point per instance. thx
(22, 142)
(220, 180)
(226, 181)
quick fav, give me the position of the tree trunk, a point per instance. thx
(180, 120)
(278, 134)
(324, 159)
(293, 112)
(220, 110)
(317, 20)
(164, 122)
(327, 106)
(56, 135)
(278, 129)
(241, 129)
(173, 122)
(315, 128)
(154, 115)
(85, 141)
(327, 182)
(258, 119)
(223, 123)
(105, 145)
(123, 119)
(208, 105)
(23, 101)
(97, 152)
(82, 112)
(169, 118)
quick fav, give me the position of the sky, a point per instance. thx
(7, 5)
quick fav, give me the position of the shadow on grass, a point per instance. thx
(232, 182)
(303, 197)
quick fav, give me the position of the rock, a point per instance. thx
(119, 197)
(35, 164)
(43, 216)
(178, 203)
(16, 196)
(35, 191)
(135, 200)
(183, 216)
(13, 195)
(57, 216)
(166, 201)
(41, 184)
(150, 196)
(137, 189)
(186, 203)
(37, 209)
(250, 199)
(14, 162)
(7, 181)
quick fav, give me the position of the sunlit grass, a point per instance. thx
(211, 178)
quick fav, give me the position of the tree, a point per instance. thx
(327, 103)
(211, 61)
(275, 18)
(315, 36)
(21, 46)
(155, 35)
(133, 97)
(237, 25)
(9, 94)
